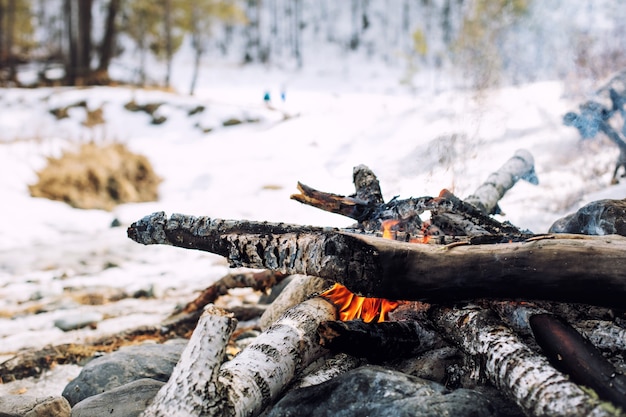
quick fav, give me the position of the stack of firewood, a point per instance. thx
(535, 316)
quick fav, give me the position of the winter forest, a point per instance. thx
(475, 43)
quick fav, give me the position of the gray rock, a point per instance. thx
(128, 364)
(602, 217)
(29, 406)
(378, 392)
(128, 400)
(78, 321)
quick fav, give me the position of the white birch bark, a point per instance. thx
(334, 366)
(192, 388)
(252, 380)
(521, 374)
(520, 166)
(255, 377)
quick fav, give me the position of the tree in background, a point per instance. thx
(107, 47)
(202, 17)
(480, 40)
(16, 37)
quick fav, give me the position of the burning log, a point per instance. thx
(568, 268)
(247, 384)
(461, 218)
(449, 214)
(574, 355)
(528, 378)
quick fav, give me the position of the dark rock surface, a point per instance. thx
(128, 364)
(128, 400)
(378, 392)
(602, 217)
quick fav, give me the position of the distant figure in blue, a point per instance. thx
(267, 98)
(283, 95)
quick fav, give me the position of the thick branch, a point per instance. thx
(568, 268)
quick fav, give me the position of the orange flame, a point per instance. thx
(387, 225)
(352, 306)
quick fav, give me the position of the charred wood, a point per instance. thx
(566, 268)
(376, 342)
(574, 355)
(366, 185)
(522, 375)
(448, 212)
(594, 118)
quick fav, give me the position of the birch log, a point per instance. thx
(571, 268)
(193, 388)
(520, 166)
(522, 375)
(255, 377)
(248, 383)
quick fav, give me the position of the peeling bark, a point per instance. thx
(202, 386)
(192, 389)
(255, 377)
(566, 268)
(522, 375)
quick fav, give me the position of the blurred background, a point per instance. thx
(424, 43)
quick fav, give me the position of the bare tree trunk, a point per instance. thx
(108, 41)
(525, 377)
(72, 58)
(84, 40)
(198, 47)
(11, 17)
(167, 4)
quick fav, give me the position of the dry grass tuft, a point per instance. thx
(98, 177)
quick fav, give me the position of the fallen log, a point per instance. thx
(570, 268)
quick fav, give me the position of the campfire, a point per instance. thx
(513, 322)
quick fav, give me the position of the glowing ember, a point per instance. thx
(352, 306)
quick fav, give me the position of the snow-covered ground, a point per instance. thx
(417, 141)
